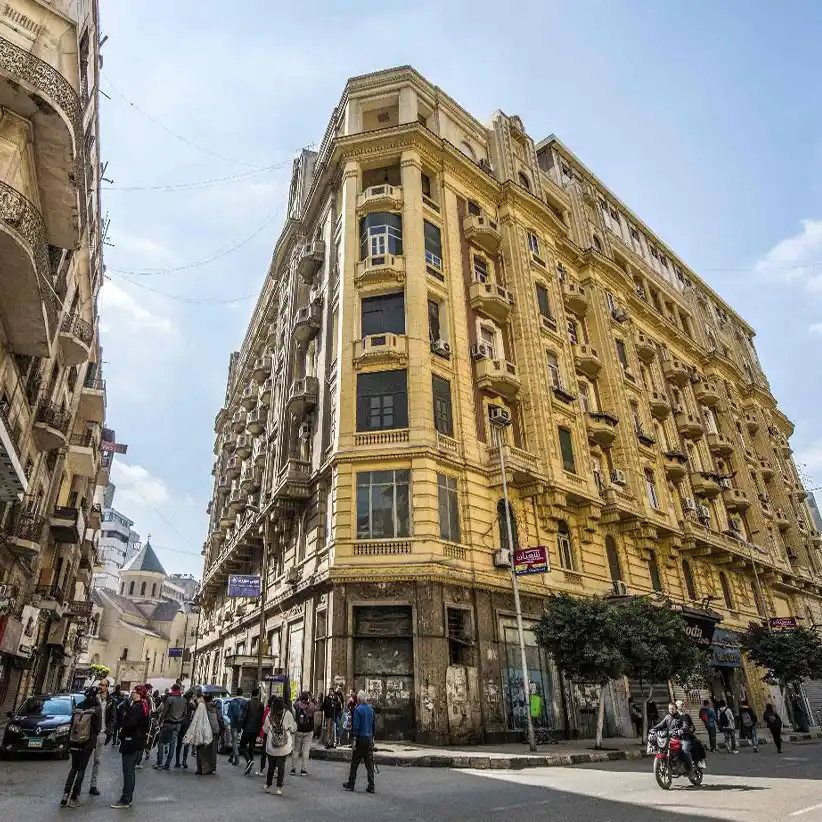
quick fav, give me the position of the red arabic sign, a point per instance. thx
(113, 447)
(782, 623)
(531, 560)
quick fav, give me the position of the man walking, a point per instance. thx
(363, 733)
(329, 724)
(117, 697)
(86, 724)
(727, 724)
(236, 708)
(252, 725)
(747, 722)
(708, 716)
(172, 715)
(108, 714)
(304, 714)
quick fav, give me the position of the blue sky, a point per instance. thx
(703, 117)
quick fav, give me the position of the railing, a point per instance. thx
(94, 384)
(24, 524)
(14, 429)
(78, 327)
(54, 416)
(84, 440)
(50, 591)
(604, 416)
(382, 437)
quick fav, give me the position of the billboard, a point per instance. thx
(782, 623)
(244, 585)
(531, 560)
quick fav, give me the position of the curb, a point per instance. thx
(482, 762)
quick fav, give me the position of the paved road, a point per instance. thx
(745, 787)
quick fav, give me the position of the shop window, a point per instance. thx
(448, 501)
(564, 547)
(382, 400)
(383, 504)
(460, 636)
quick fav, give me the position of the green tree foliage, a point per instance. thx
(788, 657)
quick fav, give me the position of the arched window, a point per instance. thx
(689, 579)
(131, 588)
(653, 568)
(524, 181)
(153, 589)
(726, 591)
(613, 559)
(503, 528)
(564, 547)
(143, 589)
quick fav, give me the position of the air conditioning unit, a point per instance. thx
(620, 588)
(305, 431)
(620, 315)
(502, 559)
(441, 347)
(482, 351)
(292, 576)
(704, 512)
(689, 504)
(618, 477)
(499, 415)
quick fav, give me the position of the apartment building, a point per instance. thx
(52, 396)
(118, 543)
(443, 289)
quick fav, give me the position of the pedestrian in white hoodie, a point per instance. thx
(279, 729)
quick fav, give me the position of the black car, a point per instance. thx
(41, 725)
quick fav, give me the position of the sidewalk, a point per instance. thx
(512, 756)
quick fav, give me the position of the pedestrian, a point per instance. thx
(181, 747)
(727, 724)
(172, 715)
(348, 717)
(708, 716)
(362, 728)
(108, 718)
(773, 721)
(235, 717)
(636, 716)
(304, 716)
(134, 727)
(266, 712)
(329, 708)
(117, 697)
(747, 723)
(253, 713)
(339, 706)
(207, 753)
(279, 728)
(86, 726)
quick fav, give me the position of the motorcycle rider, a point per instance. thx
(674, 721)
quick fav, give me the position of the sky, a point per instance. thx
(703, 117)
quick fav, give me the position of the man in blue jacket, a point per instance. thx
(362, 730)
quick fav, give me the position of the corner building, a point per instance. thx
(433, 273)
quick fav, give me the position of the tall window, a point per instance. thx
(383, 315)
(448, 508)
(760, 604)
(488, 336)
(564, 548)
(621, 353)
(533, 243)
(380, 234)
(143, 589)
(503, 527)
(636, 417)
(653, 568)
(585, 397)
(434, 328)
(613, 559)
(443, 416)
(433, 247)
(690, 588)
(572, 332)
(542, 301)
(383, 504)
(726, 591)
(650, 484)
(553, 370)
(154, 590)
(480, 269)
(524, 181)
(382, 400)
(131, 588)
(566, 448)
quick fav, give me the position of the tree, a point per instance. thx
(581, 636)
(100, 672)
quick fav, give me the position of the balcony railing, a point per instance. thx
(50, 591)
(78, 327)
(54, 416)
(94, 384)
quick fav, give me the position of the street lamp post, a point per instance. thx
(526, 682)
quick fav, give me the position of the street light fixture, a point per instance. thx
(501, 423)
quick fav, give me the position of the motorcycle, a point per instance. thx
(668, 762)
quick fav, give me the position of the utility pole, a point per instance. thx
(263, 592)
(526, 682)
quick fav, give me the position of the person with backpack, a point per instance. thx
(727, 724)
(253, 716)
(279, 728)
(236, 707)
(86, 724)
(108, 714)
(747, 723)
(329, 726)
(172, 715)
(708, 716)
(134, 727)
(304, 716)
(773, 721)
(182, 747)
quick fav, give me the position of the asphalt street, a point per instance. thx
(745, 787)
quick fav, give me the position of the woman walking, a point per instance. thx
(134, 727)
(266, 712)
(199, 734)
(773, 721)
(279, 728)
(86, 723)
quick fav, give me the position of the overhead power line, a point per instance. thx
(757, 269)
(183, 298)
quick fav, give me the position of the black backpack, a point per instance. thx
(304, 721)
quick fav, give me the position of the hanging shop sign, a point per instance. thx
(782, 623)
(699, 629)
(244, 585)
(531, 560)
(726, 649)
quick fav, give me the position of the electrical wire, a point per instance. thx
(759, 270)
(180, 297)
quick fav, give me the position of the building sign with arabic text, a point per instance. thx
(531, 560)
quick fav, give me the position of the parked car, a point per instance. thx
(41, 725)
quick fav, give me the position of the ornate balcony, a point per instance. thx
(51, 425)
(482, 231)
(736, 499)
(262, 369)
(250, 478)
(244, 445)
(308, 322)
(751, 421)
(765, 468)
(601, 427)
(586, 360)
(675, 371)
(705, 484)
(310, 260)
(76, 337)
(248, 400)
(720, 445)
(782, 520)
(93, 400)
(304, 395)
(689, 425)
(499, 376)
(22, 531)
(266, 390)
(706, 393)
(575, 298)
(381, 349)
(237, 501)
(271, 334)
(68, 524)
(224, 483)
(293, 480)
(521, 467)
(238, 422)
(259, 455)
(492, 300)
(82, 454)
(13, 480)
(645, 349)
(380, 198)
(386, 270)
(233, 467)
(660, 406)
(256, 420)
(676, 465)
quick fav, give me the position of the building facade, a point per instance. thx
(443, 289)
(52, 396)
(118, 543)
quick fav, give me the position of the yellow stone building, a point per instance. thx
(436, 276)
(52, 397)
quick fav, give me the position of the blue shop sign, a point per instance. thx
(244, 585)
(726, 650)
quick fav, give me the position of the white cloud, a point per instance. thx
(796, 258)
(120, 310)
(143, 252)
(137, 486)
(816, 328)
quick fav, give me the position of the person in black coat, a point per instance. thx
(86, 723)
(134, 727)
